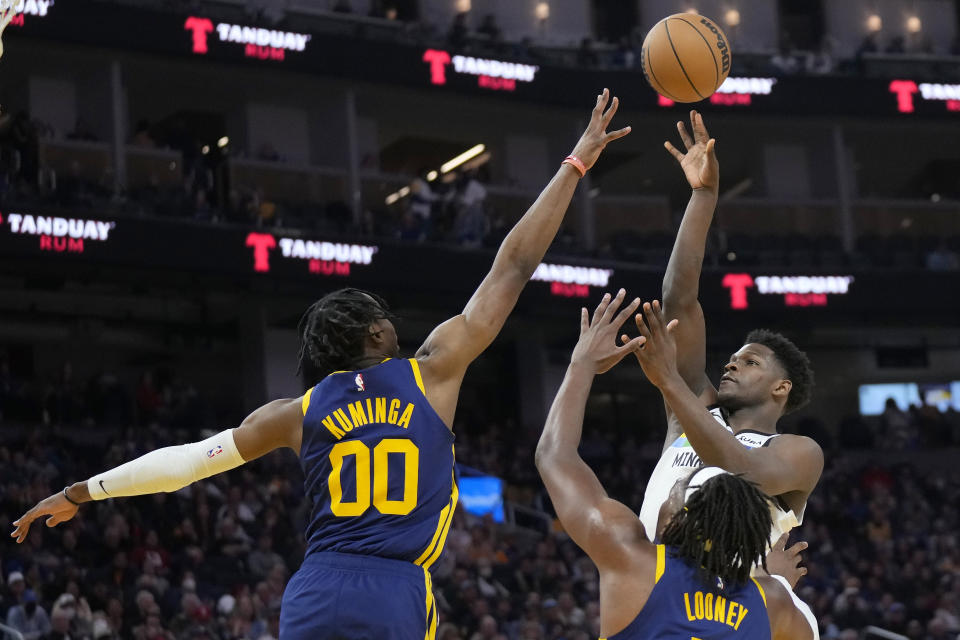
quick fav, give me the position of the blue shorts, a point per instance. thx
(340, 596)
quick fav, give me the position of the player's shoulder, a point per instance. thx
(799, 445)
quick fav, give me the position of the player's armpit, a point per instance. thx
(275, 425)
(788, 463)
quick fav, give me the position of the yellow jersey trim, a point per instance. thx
(431, 605)
(760, 589)
(305, 403)
(435, 548)
(661, 563)
(416, 375)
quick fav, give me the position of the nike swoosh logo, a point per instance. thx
(102, 487)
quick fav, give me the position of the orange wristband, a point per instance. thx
(577, 164)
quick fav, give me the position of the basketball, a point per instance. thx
(685, 57)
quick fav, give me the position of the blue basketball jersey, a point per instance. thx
(681, 606)
(378, 464)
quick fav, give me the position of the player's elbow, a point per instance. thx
(679, 297)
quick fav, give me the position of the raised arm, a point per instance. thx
(453, 345)
(681, 283)
(604, 528)
(789, 463)
(272, 426)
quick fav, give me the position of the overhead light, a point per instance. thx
(205, 149)
(692, 10)
(469, 154)
(874, 23)
(463, 5)
(542, 12)
(395, 196)
(732, 17)
(914, 25)
(222, 142)
(432, 176)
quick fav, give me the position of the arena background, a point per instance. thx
(179, 179)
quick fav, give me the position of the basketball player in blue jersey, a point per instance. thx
(732, 426)
(697, 583)
(373, 436)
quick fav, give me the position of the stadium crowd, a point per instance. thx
(211, 561)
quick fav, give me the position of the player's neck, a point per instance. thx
(368, 360)
(760, 418)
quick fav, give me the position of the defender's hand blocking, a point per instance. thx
(658, 356)
(699, 163)
(56, 507)
(597, 347)
(595, 138)
(786, 562)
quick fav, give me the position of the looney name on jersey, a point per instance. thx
(370, 411)
(714, 608)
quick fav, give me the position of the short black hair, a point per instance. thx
(333, 329)
(723, 531)
(795, 363)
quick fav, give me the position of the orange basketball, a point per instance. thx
(685, 57)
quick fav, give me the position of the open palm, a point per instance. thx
(699, 163)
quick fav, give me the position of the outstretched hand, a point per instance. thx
(595, 138)
(699, 163)
(658, 355)
(597, 347)
(56, 507)
(786, 562)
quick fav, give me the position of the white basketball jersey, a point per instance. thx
(679, 459)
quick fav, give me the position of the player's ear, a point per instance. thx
(782, 390)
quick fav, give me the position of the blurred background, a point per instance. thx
(180, 179)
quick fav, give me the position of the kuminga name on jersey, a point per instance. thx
(378, 464)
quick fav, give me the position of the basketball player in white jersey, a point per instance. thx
(734, 425)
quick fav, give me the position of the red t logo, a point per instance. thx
(200, 27)
(738, 283)
(438, 61)
(261, 243)
(904, 90)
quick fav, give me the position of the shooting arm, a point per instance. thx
(789, 463)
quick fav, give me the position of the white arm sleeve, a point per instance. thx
(168, 469)
(800, 604)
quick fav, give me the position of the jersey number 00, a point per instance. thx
(381, 463)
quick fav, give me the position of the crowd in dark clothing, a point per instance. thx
(211, 561)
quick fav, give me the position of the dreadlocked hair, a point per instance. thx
(333, 330)
(795, 363)
(724, 529)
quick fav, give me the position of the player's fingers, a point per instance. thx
(614, 305)
(626, 312)
(53, 521)
(651, 318)
(598, 312)
(797, 548)
(584, 320)
(601, 104)
(711, 145)
(608, 116)
(616, 135)
(673, 151)
(641, 324)
(684, 136)
(699, 130)
(672, 325)
(781, 542)
(631, 345)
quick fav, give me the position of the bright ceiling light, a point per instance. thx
(732, 17)
(914, 25)
(874, 23)
(467, 155)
